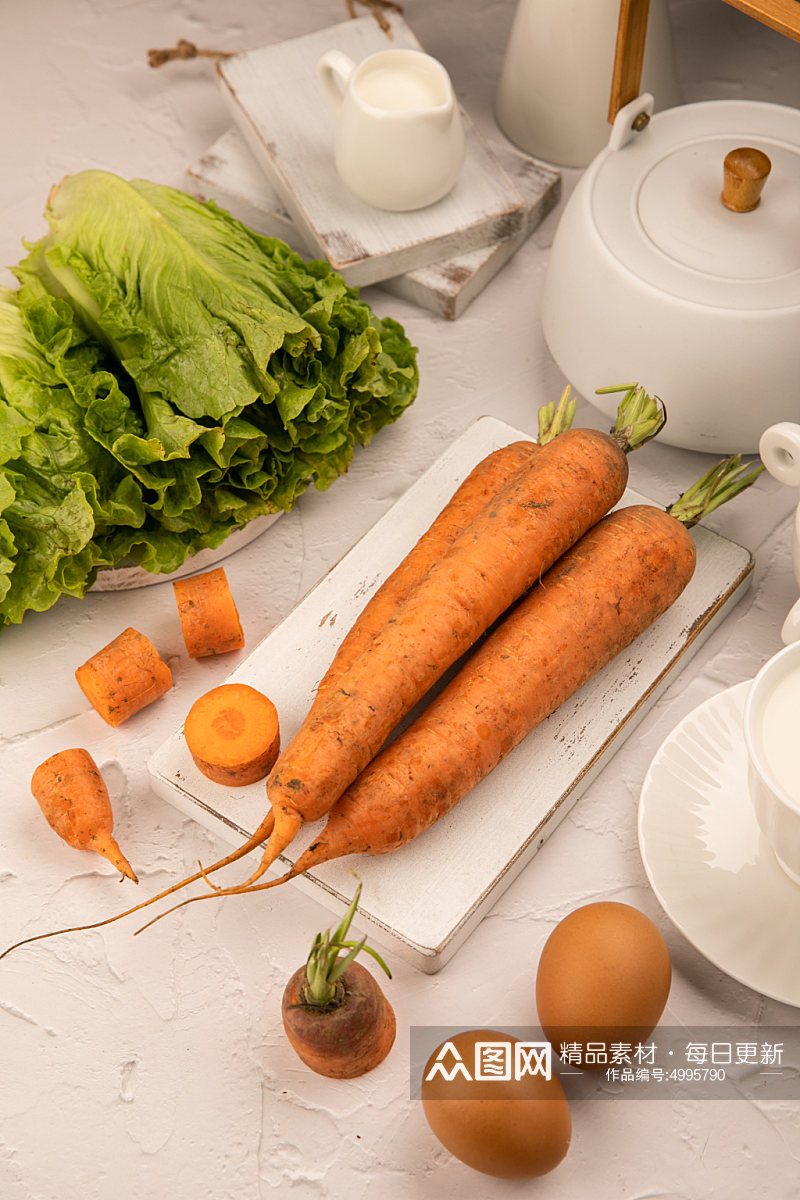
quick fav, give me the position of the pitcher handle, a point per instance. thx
(334, 70)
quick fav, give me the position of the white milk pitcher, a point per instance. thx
(400, 139)
(779, 448)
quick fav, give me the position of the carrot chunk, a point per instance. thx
(123, 677)
(232, 733)
(72, 794)
(209, 618)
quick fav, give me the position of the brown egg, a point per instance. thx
(513, 1129)
(603, 979)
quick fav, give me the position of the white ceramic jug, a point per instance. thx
(553, 96)
(780, 453)
(400, 140)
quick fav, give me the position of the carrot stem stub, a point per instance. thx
(208, 615)
(72, 794)
(124, 677)
(232, 734)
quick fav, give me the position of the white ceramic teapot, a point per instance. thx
(652, 277)
(780, 453)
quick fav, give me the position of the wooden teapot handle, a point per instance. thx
(780, 15)
(628, 55)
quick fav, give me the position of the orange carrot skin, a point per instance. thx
(479, 487)
(530, 523)
(124, 677)
(593, 603)
(346, 1039)
(73, 797)
(233, 735)
(208, 614)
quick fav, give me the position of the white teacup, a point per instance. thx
(779, 448)
(772, 738)
(400, 139)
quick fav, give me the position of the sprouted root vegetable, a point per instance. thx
(334, 1014)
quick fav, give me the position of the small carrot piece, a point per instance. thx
(124, 677)
(232, 734)
(72, 794)
(209, 618)
(335, 1015)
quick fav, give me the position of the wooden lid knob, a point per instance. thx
(746, 171)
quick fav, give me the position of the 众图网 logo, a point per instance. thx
(493, 1060)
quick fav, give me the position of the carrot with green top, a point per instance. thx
(542, 511)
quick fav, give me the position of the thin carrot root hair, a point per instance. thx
(253, 842)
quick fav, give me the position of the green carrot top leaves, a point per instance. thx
(554, 419)
(324, 966)
(718, 485)
(639, 416)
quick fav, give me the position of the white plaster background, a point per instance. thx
(155, 1066)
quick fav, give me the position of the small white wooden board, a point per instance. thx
(422, 902)
(277, 102)
(230, 174)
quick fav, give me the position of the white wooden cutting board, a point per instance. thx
(230, 174)
(278, 104)
(422, 902)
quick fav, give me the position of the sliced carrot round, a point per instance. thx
(232, 734)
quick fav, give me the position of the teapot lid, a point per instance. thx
(656, 202)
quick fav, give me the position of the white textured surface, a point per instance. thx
(155, 1066)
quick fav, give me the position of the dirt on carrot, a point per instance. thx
(124, 677)
(232, 734)
(209, 618)
(72, 794)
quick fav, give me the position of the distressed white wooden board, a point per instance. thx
(278, 103)
(422, 902)
(230, 174)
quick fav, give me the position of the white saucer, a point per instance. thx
(707, 859)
